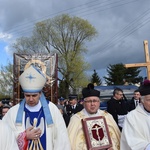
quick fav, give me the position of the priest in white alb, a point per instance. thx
(7, 138)
(136, 129)
(36, 122)
(91, 109)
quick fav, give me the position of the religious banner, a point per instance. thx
(46, 63)
(96, 133)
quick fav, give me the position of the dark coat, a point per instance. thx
(117, 107)
(66, 119)
(132, 104)
(71, 111)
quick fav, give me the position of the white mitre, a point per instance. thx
(32, 80)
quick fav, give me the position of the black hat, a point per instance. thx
(72, 96)
(6, 100)
(61, 99)
(6, 106)
(90, 91)
(144, 89)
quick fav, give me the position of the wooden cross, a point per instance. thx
(147, 59)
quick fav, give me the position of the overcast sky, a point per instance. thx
(122, 25)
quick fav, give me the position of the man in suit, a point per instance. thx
(135, 100)
(73, 106)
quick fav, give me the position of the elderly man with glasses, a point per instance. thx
(135, 134)
(91, 109)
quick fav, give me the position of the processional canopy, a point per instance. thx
(46, 63)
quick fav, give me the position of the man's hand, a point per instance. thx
(33, 134)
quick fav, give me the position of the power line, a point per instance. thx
(80, 13)
(121, 34)
(136, 24)
(108, 6)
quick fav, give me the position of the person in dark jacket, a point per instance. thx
(118, 107)
(136, 99)
(73, 106)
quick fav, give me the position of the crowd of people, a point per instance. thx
(38, 124)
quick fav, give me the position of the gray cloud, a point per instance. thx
(122, 25)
